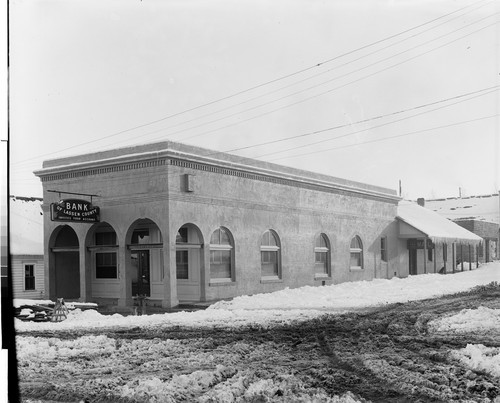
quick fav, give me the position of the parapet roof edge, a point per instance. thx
(170, 149)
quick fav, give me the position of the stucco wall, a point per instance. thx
(247, 205)
(247, 208)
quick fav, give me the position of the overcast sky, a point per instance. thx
(374, 91)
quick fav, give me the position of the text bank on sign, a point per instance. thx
(74, 210)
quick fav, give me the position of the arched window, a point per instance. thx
(322, 255)
(356, 253)
(221, 255)
(270, 254)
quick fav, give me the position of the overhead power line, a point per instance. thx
(364, 120)
(328, 91)
(372, 127)
(482, 2)
(390, 137)
(296, 83)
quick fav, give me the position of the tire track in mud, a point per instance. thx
(383, 354)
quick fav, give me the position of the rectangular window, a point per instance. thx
(430, 254)
(269, 260)
(321, 262)
(445, 252)
(356, 259)
(105, 265)
(383, 249)
(181, 260)
(29, 276)
(220, 264)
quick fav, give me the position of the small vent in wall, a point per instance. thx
(189, 182)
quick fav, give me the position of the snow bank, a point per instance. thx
(479, 357)
(288, 305)
(481, 319)
(361, 294)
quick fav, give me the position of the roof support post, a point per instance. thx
(445, 256)
(453, 259)
(470, 260)
(435, 255)
(425, 255)
(462, 255)
(477, 256)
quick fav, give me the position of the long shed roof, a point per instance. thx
(433, 225)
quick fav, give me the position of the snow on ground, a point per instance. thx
(287, 305)
(482, 319)
(479, 357)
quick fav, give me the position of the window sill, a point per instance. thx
(355, 268)
(322, 277)
(221, 282)
(271, 280)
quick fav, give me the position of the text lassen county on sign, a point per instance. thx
(74, 210)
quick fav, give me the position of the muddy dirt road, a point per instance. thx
(381, 355)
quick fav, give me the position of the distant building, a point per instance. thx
(178, 223)
(26, 247)
(478, 214)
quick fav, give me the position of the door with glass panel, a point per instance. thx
(140, 273)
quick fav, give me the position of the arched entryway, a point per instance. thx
(102, 261)
(144, 244)
(189, 262)
(64, 264)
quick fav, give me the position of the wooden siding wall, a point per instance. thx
(18, 263)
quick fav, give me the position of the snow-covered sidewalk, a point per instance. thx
(287, 305)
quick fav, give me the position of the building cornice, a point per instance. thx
(152, 159)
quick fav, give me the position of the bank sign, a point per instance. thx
(74, 210)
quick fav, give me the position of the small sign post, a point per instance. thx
(419, 244)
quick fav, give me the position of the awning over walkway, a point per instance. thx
(416, 221)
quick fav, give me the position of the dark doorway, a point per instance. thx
(65, 264)
(67, 275)
(140, 273)
(412, 253)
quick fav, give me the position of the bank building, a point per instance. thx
(176, 224)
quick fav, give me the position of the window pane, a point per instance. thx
(321, 263)
(265, 239)
(269, 263)
(29, 283)
(269, 239)
(215, 239)
(105, 266)
(181, 257)
(356, 243)
(321, 241)
(355, 259)
(220, 264)
(29, 277)
(28, 270)
(105, 238)
(383, 249)
(182, 235)
(224, 238)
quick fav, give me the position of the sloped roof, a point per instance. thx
(482, 208)
(26, 226)
(436, 227)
